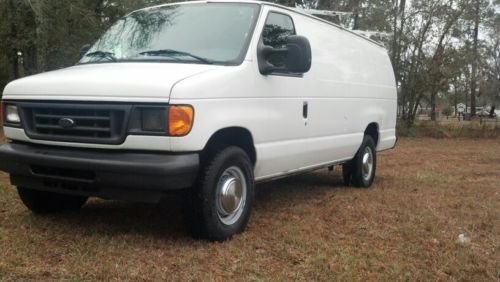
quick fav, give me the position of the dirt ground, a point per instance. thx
(309, 227)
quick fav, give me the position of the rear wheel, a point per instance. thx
(360, 171)
(221, 203)
(42, 202)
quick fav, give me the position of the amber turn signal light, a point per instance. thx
(180, 120)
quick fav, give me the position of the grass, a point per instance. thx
(309, 227)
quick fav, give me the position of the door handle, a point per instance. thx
(305, 110)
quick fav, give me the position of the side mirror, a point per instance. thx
(298, 56)
(85, 48)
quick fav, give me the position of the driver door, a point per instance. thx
(284, 148)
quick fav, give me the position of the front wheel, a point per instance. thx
(360, 171)
(221, 202)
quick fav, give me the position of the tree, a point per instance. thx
(41, 35)
(424, 52)
(491, 83)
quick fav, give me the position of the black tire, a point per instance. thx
(41, 202)
(352, 171)
(203, 212)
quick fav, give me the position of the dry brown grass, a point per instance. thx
(308, 227)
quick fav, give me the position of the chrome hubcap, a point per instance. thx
(231, 195)
(367, 163)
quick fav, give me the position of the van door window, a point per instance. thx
(277, 29)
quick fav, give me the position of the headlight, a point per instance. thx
(148, 120)
(174, 121)
(153, 120)
(11, 114)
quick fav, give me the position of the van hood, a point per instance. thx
(119, 82)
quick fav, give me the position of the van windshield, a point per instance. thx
(205, 33)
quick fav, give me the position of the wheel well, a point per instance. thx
(232, 136)
(372, 130)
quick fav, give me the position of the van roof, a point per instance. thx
(274, 5)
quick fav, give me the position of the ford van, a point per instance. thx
(207, 97)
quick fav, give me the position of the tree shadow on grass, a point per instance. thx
(164, 220)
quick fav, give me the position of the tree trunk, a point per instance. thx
(355, 7)
(455, 97)
(395, 35)
(473, 84)
(14, 63)
(37, 6)
(433, 106)
(438, 61)
(12, 53)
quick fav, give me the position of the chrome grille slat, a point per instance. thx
(77, 128)
(101, 118)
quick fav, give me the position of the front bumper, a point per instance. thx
(126, 175)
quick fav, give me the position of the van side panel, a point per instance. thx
(351, 85)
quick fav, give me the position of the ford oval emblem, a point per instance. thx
(66, 123)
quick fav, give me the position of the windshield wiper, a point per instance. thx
(167, 52)
(103, 55)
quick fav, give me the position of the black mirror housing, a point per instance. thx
(263, 53)
(298, 56)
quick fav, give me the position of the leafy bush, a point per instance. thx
(447, 111)
(455, 129)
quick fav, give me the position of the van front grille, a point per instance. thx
(85, 123)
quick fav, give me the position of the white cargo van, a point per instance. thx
(209, 97)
